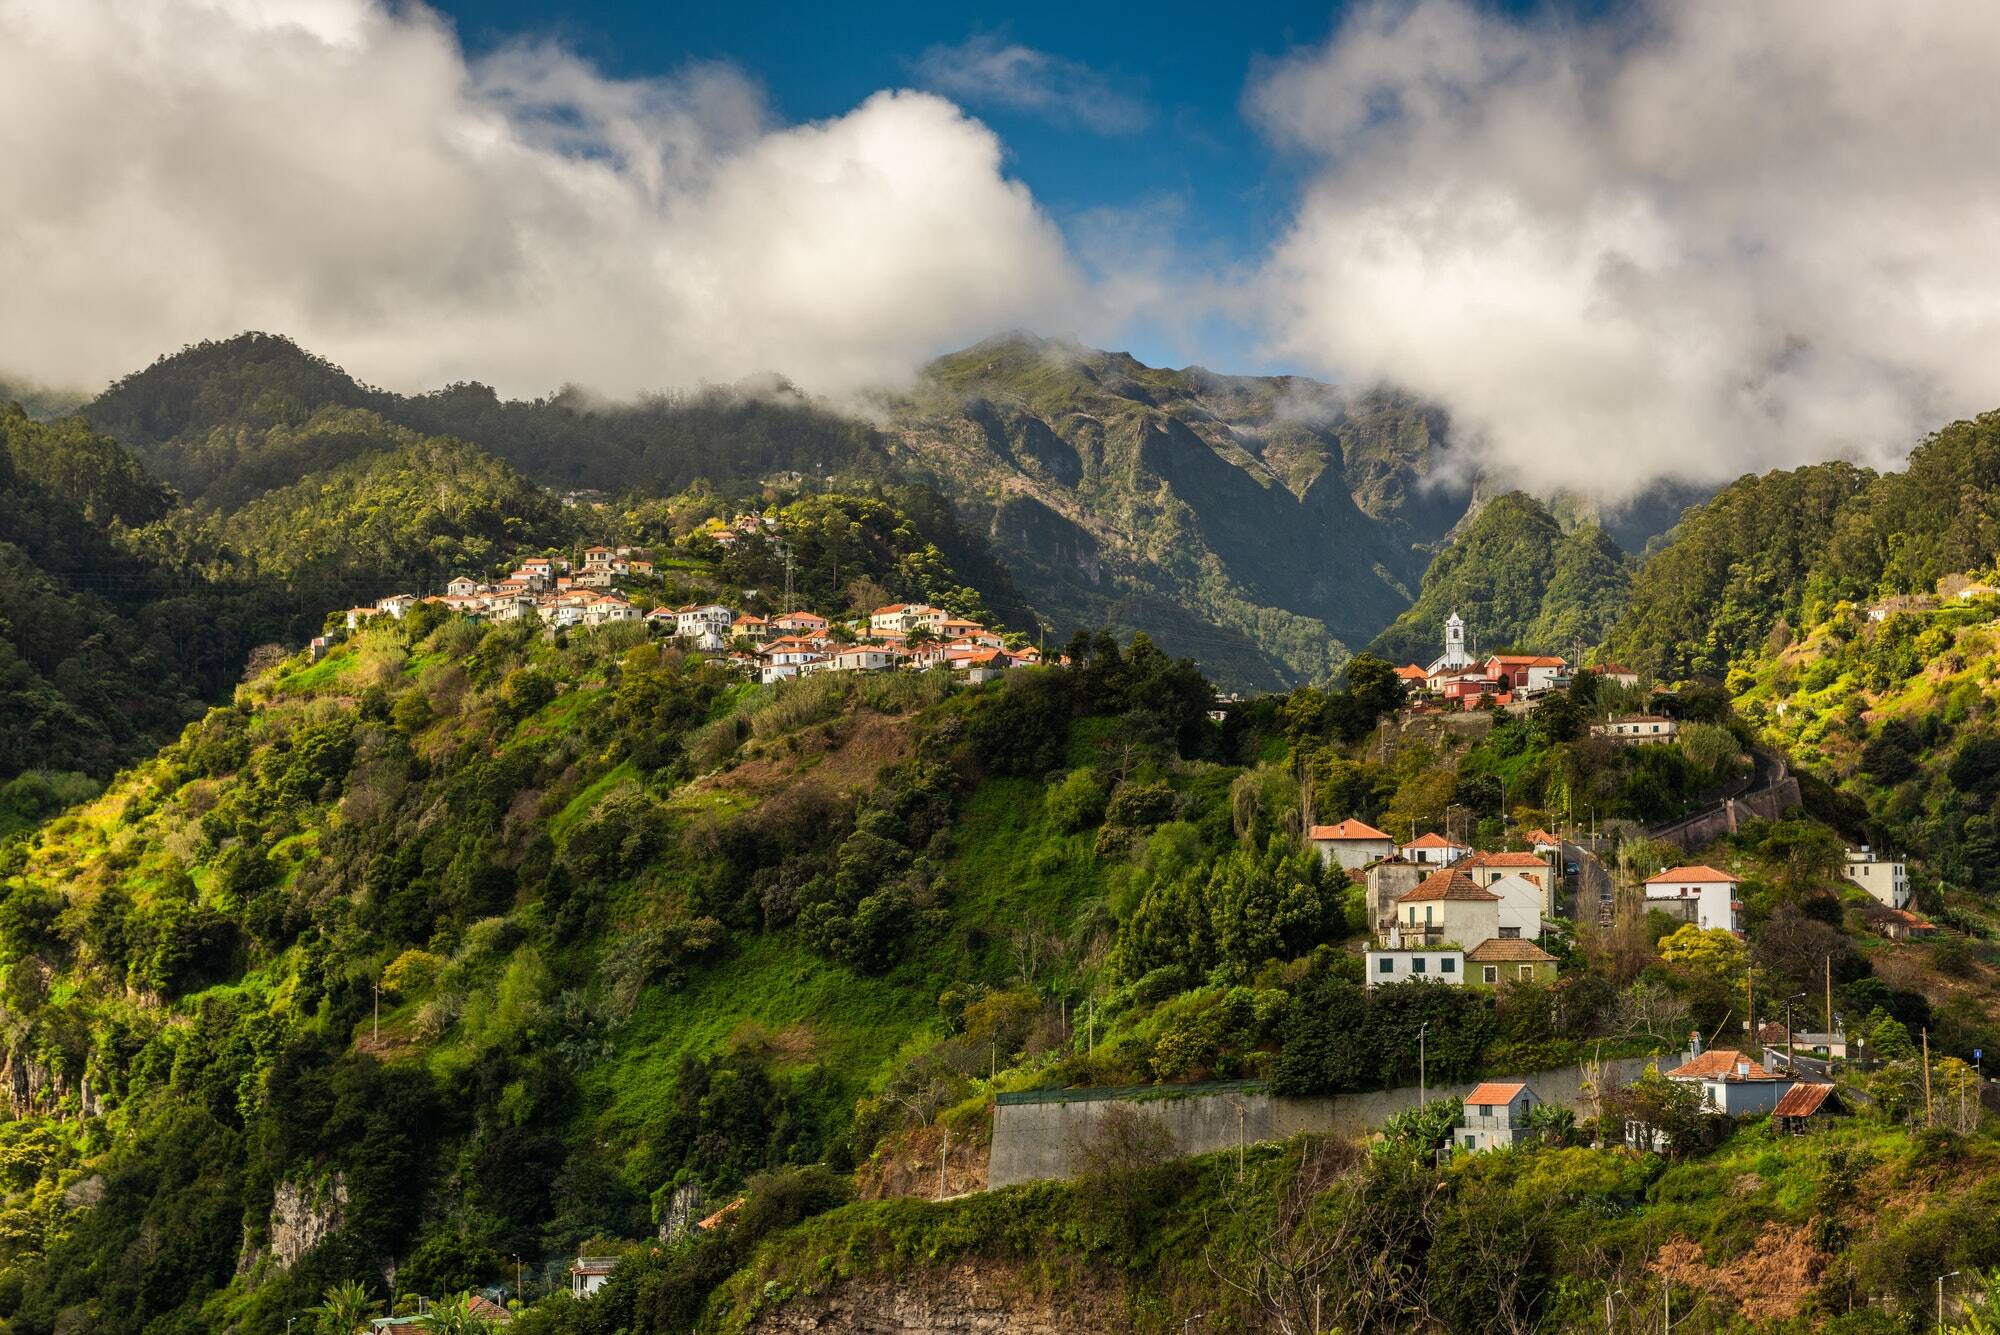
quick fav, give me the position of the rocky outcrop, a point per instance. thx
(960, 1300)
(303, 1215)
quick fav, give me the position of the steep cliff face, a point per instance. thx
(959, 1300)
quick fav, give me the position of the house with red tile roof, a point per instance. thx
(1351, 843)
(1732, 1083)
(1447, 907)
(1509, 960)
(1528, 674)
(1435, 849)
(1496, 1116)
(1700, 894)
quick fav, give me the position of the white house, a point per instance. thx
(604, 611)
(1496, 1116)
(785, 658)
(464, 586)
(1521, 902)
(396, 605)
(707, 624)
(588, 1274)
(1886, 879)
(1542, 843)
(1402, 964)
(1351, 843)
(1446, 907)
(1435, 850)
(799, 623)
(895, 618)
(863, 658)
(1633, 729)
(1710, 893)
(1731, 1082)
(1489, 869)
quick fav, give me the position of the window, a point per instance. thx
(1471, 1142)
(1527, 971)
(1492, 974)
(1417, 964)
(1510, 934)
(1447, 965)
(1388, 964)
(1485, 1110)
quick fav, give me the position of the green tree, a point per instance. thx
(343, 1309)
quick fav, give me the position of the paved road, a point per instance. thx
(1592, 886)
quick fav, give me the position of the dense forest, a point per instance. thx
(1519, 581)
(337, 983)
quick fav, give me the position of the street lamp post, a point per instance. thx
(1421, 1083)
(1940, 1300)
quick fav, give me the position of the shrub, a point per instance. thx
(1077, 803)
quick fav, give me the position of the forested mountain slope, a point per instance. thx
(1261, 524)
(1519, 581)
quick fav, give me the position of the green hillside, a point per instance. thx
(1260, 524)
(1520, 582)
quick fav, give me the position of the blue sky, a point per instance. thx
(1614, 239)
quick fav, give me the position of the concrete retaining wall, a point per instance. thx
(1704, 829)
(1036, 1139)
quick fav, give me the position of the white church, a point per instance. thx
(1455, 656)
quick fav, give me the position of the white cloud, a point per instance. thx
(984, 70)
(1704, 239)
(339, 171)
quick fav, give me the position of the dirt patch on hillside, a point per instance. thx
(841, 756)
(909, 1163)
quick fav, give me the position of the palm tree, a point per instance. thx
(344, 1308)
(454, 1316)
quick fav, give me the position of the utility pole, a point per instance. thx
(1422, 1084)
(1927, 1082)
(378, 1012)
(1750, 1001)
(1829, 1012)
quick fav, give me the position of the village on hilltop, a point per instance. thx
(590, 593)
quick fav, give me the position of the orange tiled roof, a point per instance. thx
(1535, 860)
(1433, 841)
(1449, 884)
(1695, 875)
(1495, 1093)
(1507, 950)
(1719, 1064)
(1349, 829)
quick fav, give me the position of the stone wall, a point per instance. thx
(1033, 1135)
(1704, 829)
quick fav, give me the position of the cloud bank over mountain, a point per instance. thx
(341, 172)
(1689, 240)
(1695, 240)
